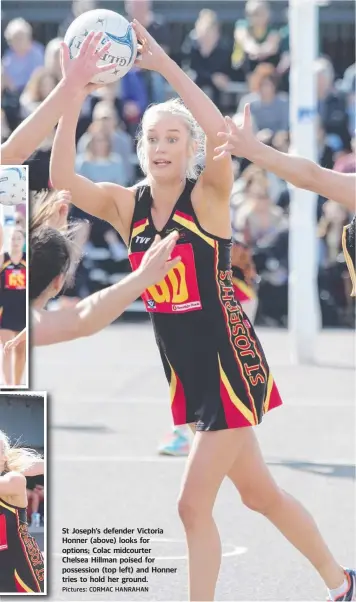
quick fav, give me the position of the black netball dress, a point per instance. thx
(13, 294)
(21, 561)
(214, 363)
(348, 246)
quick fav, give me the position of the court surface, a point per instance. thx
(109, 408)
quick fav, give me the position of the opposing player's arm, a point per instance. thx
(218, 179)
(106, 201)
(12, 483)
(306, 174)
(77, 73)
(300, 172)
(37, 468)
(97, 311)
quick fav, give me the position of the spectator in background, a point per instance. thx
(99, 163)
(349, 89)
(347, 163)
(265, 229)
(23, 56)
(78, 8)
(256, 39)
(52, 58)
(105, 114)
(39, 86)
(283, 66)
(334, 284)
(261, 71)
(331, 104)
(134, 98)
(271, 109)
(159, 30)
(10, 104)
(206, 56)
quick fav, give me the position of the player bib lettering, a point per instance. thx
(178, 292)
(15, 279)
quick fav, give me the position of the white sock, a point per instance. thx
(334, 593)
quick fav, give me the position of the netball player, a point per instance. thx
(78, 73)
(178, 440)
(219, 378)
(21, 562)
(303, 173)
(13, 306)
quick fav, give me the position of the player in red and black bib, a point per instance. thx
(214, 363)
(21, 561)
(13, 305)
(218, 375)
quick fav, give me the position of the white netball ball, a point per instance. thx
(117, 30)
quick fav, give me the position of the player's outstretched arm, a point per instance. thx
(100, 309)
(151, 56)
(31, 132)
(300, 172)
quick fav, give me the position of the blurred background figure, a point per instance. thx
(99, 162)
(78, 8)
(38, 87)
(257, 40)
(52, 58)
(331, 106)
(206, 55)
(23, 55)
(106, 120)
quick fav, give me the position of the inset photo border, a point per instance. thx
(14, 293)
(23, 493)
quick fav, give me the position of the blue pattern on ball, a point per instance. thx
(125, 40)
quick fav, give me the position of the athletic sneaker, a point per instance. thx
(175, 444)
(350, 593)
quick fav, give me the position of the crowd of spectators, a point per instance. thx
(252, 67)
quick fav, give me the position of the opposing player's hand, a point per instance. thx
(150, 54)
(237, 140)
(81, 70)
(157, 261)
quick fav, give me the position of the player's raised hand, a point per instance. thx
(81, 69)
(237, 140)
(149, 52)
(157, 262)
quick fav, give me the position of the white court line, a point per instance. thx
(235, 551)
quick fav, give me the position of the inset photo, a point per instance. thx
(23, 500)
(14, 349)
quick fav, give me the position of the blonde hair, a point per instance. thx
(42, 208)
(176, 108)
(17, 458)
